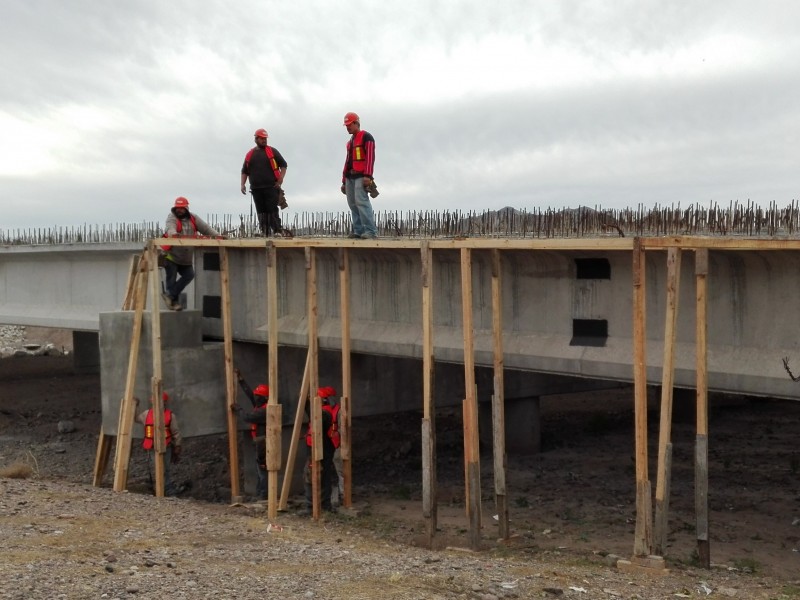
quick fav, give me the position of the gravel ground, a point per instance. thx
(68, 540)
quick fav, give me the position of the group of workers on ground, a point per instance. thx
(257, 419)
(266, 167)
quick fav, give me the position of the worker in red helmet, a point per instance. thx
(266, 169)
(178, 259)
(257, 418)
(330, 442)
(174, 442)
(357, 178)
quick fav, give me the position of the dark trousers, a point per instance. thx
(174, 285)
(327, 477)
(266, 202)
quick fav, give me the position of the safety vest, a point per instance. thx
(272, 162)
(254, 426)
(179, 228)
(333, 430)
(149, 429)
(359, 153)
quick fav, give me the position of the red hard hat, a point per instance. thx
(262, 390)
(181, 202)
(260, 133)
(351, 117)
(165, 396)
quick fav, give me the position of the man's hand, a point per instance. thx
(366, 181)
(176, 455)
(244, 189)
(238, 374)
(235, 408)
(344, 191)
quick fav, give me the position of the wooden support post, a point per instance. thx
(667, 378)
(127, 407)
(643, 537)
(159, 435)
(101, 457)
(345, 411)
(274, 458)
(316, 403)
(498, 399)
(297, 436)
(273, 437)
(701, 445)
(429, 492)
(471, 447)
(230, 380)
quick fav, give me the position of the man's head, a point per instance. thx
(164, 398)
(261, 137)
(262, 391)
(181, 207)
(352, 122)
(326, 394)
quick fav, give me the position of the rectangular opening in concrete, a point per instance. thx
(212, 307)
(589, 332)
(592, 268)
(210, 261)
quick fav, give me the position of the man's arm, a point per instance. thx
(248, 391)
(177, 438)
(205, 228)
(258, 415)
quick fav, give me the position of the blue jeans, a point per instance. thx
(174, 285)
(360, 207)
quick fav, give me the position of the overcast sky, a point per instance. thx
(109, 110)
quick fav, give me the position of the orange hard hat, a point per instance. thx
(260, 133)
(351, 117)
(262, 390)
(181, 202)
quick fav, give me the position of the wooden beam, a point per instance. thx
(667, 381)
(230, 380)
(643, 536)
(127, 407)
(471, 446)
(297, 436)
(273, 429)
(345, 411)
(316, 403)
(429, 491)
(159, 434)
(498, 399)
(701, 444)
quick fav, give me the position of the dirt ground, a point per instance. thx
(576, 498)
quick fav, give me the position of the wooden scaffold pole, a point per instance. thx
(159, 433)
(471, 446)
(701, 439)
(316, 403)
(230, 380)
(498, 399)
(429, 491)
(667, 379)
(345, 410)
(274, 413)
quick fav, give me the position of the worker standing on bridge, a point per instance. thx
(357, 181)
(174, 441)
(257, 418)
(178, 259)
(266, 168)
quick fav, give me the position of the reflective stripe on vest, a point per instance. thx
(149, 428)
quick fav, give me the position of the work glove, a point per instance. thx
(343, 190)
(372, 189)
(282, 200)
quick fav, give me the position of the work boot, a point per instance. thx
(167, 300)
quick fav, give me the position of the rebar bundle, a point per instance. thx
(735, 219)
